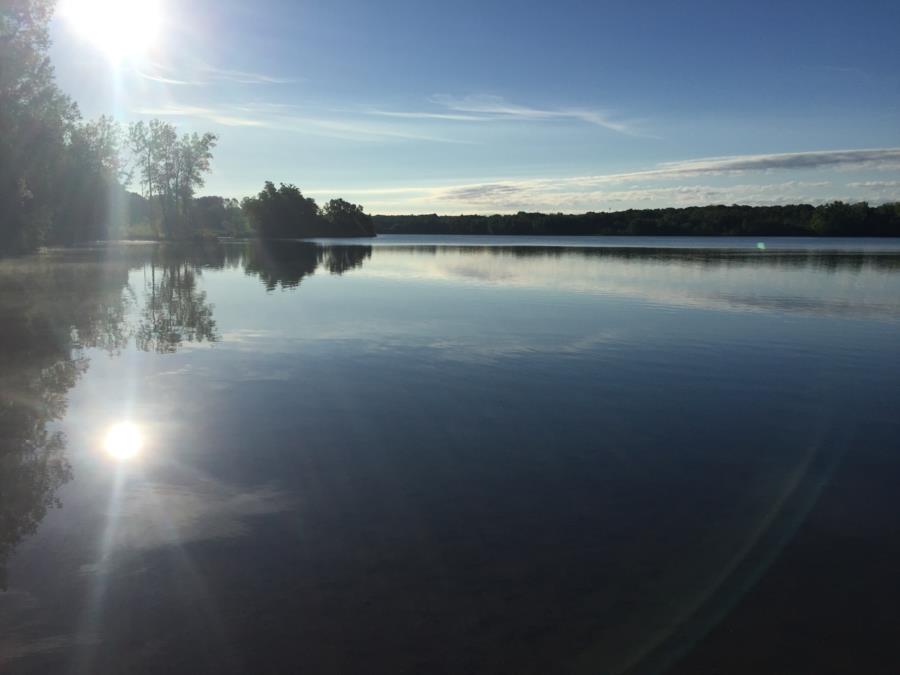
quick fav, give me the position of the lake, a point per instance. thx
(452, 455)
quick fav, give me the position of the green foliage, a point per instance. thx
(284, 213)
(61, 179)
(171, 169)
(35, 120)
(346, 219)
(220, 217)
(839, 218)
(88, 183)
(835, 219)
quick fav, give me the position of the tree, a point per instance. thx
(839, 218)
(35, 117)
(346, 219)
(282, 213)
(88, 183)
(171, 169)
(220, 216)
(60, 178)
(834, 219)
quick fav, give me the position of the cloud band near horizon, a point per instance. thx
(595, 192)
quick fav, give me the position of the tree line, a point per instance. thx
(284, 212)
(836, 219)
(65, 180)
(58, 173)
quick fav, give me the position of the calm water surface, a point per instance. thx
(452, 455)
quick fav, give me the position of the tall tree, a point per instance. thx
(171, 169)
(89, 196)
(35, 118)
(346, 219)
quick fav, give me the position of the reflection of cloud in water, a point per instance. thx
(248, 335)
(478, 351)
(159, 514)
(14, 649)
(779, 285)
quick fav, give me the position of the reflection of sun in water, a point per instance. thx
(123, 441)
(120, 28)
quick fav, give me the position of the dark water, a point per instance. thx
(433, 456)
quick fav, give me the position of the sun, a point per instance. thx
(119, 28)
(123, 441)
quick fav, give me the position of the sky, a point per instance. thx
(496, 107)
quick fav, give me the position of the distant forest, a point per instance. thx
(836, 219)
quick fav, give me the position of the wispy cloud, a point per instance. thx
(850, 159)
(457, 117)
(850, 71)
(289, 118)
(244, 77)
(549, 196)
(619, 190)
(203, 74)
(876, 184)
(499, 108)
(170, 80)
(496, 108)
(222, 117)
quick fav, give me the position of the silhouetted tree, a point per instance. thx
(89, 195)
(284, 213)
(346, 219)
(170, 169)
(835, 219)
(35, 117)
(220, 216)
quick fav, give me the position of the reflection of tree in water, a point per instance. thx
(828, 260)
(281, 264)
(284, 264)
(57, 306)
(175, 311)
(53, 308)
(33, 464)
(340, 259)
(50, 313)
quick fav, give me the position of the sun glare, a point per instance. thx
(119, 28)
(123, 441)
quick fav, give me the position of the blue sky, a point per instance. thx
(462, 107)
